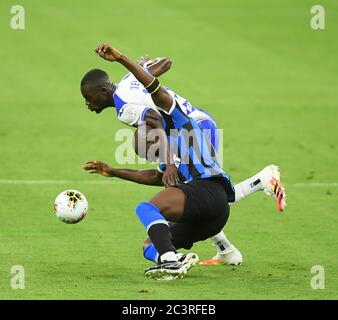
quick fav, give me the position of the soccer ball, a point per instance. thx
(71, 206)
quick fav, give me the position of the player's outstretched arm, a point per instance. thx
(160, 96)
(147, 177)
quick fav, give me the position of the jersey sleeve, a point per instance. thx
(132, 114)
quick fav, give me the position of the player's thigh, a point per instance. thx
(171, 203)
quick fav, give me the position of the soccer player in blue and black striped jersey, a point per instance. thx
(193, 156)
(134, 107)
(198, 207)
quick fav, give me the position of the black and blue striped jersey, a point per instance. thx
(194, 156)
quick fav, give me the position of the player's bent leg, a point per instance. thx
(227, 253)
(205, 215)
(184, 235)
(201, 212)
(267, 180)
(167, 205)
(156, 226)
(171, 203)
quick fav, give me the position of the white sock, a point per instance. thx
(221, 242)
(247, 187)
(168, 256)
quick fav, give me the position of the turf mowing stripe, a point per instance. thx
(316, 184)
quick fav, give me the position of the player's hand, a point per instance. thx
(98, 167)
(107, 52)
(170, 176)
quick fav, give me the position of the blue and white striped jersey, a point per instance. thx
(132, 101)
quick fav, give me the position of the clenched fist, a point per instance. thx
(107, 52)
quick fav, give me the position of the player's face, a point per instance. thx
(96, 99)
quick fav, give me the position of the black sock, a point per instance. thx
(159, 235)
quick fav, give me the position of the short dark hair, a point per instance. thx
(95, 77)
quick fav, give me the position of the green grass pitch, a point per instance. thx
(257, 66)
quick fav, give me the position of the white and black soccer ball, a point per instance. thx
(71, 206)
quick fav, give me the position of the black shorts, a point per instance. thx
(205, 214)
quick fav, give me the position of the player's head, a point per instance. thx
(97, 90)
